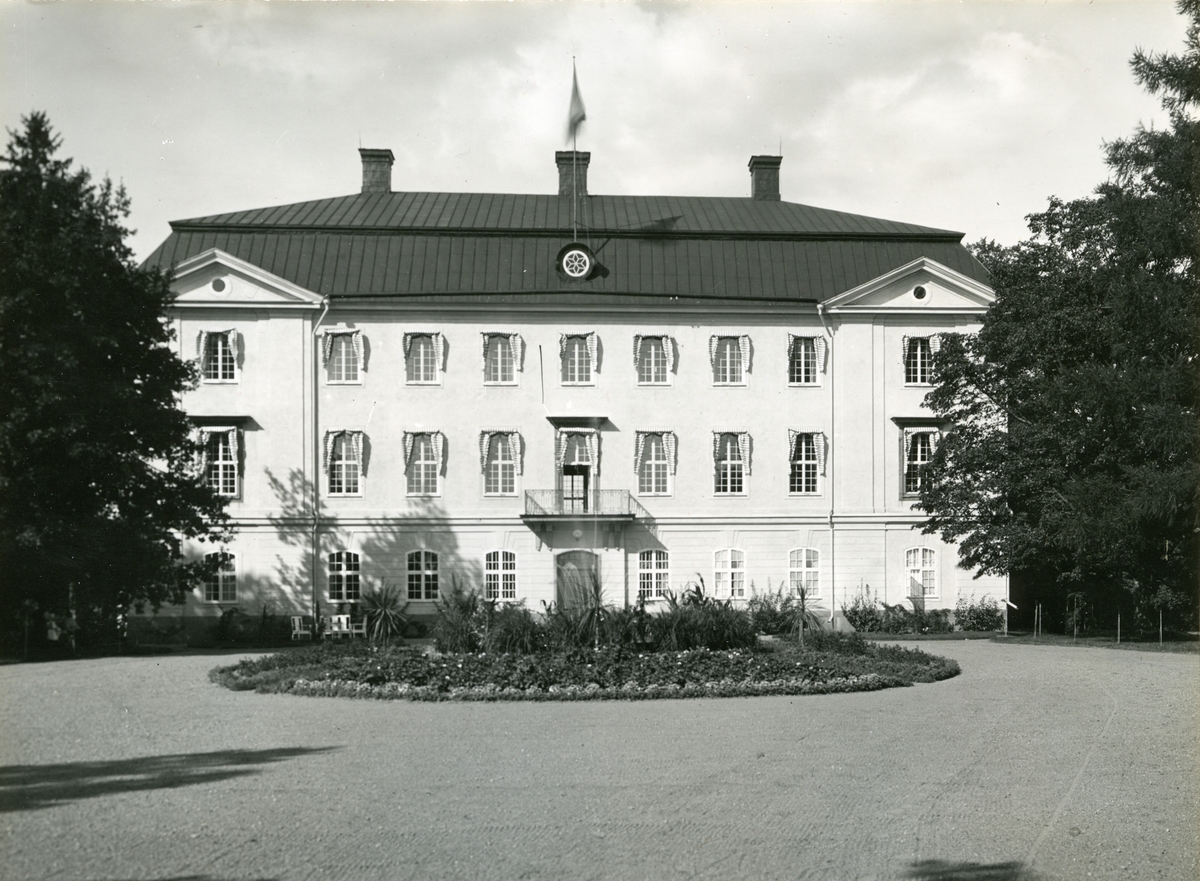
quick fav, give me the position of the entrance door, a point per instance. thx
(577, 574)
(575, 488)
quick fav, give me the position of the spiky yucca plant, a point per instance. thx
(384, 611)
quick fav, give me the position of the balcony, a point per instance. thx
(553, 505)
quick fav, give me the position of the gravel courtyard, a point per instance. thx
(1035, 763)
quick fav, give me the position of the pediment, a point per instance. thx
(920, 286)
(215, 278)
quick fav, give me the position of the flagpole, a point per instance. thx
(574, 164)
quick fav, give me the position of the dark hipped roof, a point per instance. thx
(475, 245)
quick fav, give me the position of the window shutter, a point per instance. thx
(560, 448)
(201, 339)
(593, 447)
(439, 445)
(439, 351)
(514, 444)
(639, 444)
(356, 447)
(232, 339)
(669, 350)
(935, 343)
(592, 349)
(356, 340)
(819, 443)
(326, 347)
(637, 350)
(744, 347)
(408, 338)
(518, 350)
(712, 350)
(202, 460)
(669, 443)
(819, 345)
(485, 442)
(330, 437)
(716, 444)
(232, 434)
(562, 346)
(908, 436)
(486, 336)
(408, 447)
(904, 341)
(935, 440)
(793, 437)
(744, 448)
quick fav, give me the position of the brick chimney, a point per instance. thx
(572, 164)
(377, 170)
(764, 178)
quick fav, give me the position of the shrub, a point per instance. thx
(384, 611)
(513, 628)
(864, 612)
(772, 612)
(461, 620)
(984, 615)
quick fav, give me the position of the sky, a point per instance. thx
(964, 116)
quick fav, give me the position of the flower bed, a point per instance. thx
(360, 670)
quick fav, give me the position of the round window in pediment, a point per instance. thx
(919, 292)
(218, 285)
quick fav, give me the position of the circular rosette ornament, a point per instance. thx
(576, 261)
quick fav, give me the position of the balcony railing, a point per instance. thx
(595, 503)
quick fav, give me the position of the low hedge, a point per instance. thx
(361, 670)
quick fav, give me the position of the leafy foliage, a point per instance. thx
(1075, 408)
(980, 616)
(867, 614)
(97, 492)
(384, 610)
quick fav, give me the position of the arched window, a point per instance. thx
(576, 361)
(921, 566)
(653, 575)
(222, 464)
(421, 362)
(422, 467)
(500, 575)
(499, 362)
(422, 575)
(804, 570)
(653, 471)
(729, 574)
(219, 360)
(499, 477)
(730, 468)
(344, 466)
(344, 586)
(652, 361)
(918, 361)
(220, 586)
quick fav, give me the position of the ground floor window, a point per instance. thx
(653, 575)
(500, 575)
(344, 585)
(422, 575)
(220, 586)
(729, 574)
(804, 571)
(921, 564)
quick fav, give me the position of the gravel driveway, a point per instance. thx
(1037, 762)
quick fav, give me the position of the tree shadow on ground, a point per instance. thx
(31, 787)
(944, 870)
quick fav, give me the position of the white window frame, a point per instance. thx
(729, 574)
(346, 469)
(804, 568)
(806, 442)
(652, 354)
(218, 468)
(345, 570)
(810, 357)
(576, 361)
(222, 586)
(500, 575)
(421, 365)
(652, 466)
(221, 345)
(654, 574)
(492, 351)
(419, 467)
(727, 361)
(497, 466)
(343, 352)
(920, 566)
(724, 463)
(425, 574)
(922, 443)
(918, 361)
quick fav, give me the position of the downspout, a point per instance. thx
(316, 471)
(830, 455)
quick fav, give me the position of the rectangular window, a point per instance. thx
(500, 575)
(921, 565)
(729, 574)
(423, 467)
(342, 363)
(500, 470)
(221, 585)
(499, 363)
(421, 361)
(344, 574)
(653, 575)
(219, 360)
(422, 575)
(654, 469)
(920, 452)
(802, 361)
(730, 468)
(804, 465)
(576, 361)
(222, 465)
(652, 361)
(727, 361)
(918, 362)
(344, 467)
